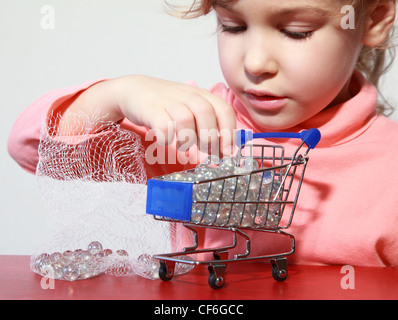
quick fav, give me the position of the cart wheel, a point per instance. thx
(215, 282)
(165, 273)
(279, 274)
(216, 276)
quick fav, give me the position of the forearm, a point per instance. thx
(25, 135)
(100, 101)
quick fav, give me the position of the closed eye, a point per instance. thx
(232, 29)
(297, 35)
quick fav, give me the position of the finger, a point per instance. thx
(226, 122)
(161, 123)
(206, 123)
(184, 124)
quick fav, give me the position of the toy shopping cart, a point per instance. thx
(254, 190)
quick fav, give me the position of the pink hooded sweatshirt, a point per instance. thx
(347, 212)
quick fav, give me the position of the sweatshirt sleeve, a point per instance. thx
(24, 137)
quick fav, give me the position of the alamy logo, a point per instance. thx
(47, 283)
(348, 281)
(348, 21)
(47, 21)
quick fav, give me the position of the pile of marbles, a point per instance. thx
(85, 264)
(75, 265)
(231, 194)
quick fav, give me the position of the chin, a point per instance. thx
(269, 124)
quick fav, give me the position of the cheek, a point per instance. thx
(322, 69)
(229, 62)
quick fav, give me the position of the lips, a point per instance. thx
(265, 100)
(259, 94)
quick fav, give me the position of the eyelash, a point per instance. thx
(297, 35)
(287, 33)
(232, 30)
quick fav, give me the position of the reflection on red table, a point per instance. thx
(244, 281)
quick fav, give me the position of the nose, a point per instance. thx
(260, 59)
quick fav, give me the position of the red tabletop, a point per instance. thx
(244, 281)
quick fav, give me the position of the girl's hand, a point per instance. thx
(195, 115)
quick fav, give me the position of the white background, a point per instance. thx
(91, 39)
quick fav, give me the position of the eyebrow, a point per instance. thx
(310, 9)
(284, 11)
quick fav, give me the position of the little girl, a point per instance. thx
(289, 66)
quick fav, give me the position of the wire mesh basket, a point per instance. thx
(257, 190)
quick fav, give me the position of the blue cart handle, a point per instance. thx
(310, 137)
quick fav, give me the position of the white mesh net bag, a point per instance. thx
(94, 187)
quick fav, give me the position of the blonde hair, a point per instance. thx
(372, 62)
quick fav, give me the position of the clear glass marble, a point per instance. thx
(182, 268)
(94, 247)
(149, 266)
(212, 161)
(197, 212)
(70, 272)
(224, 214)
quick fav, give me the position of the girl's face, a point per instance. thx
(287, 60)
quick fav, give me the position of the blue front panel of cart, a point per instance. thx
(169, 199)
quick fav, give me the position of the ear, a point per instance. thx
(379, 21)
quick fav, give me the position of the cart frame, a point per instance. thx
(285, 168)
